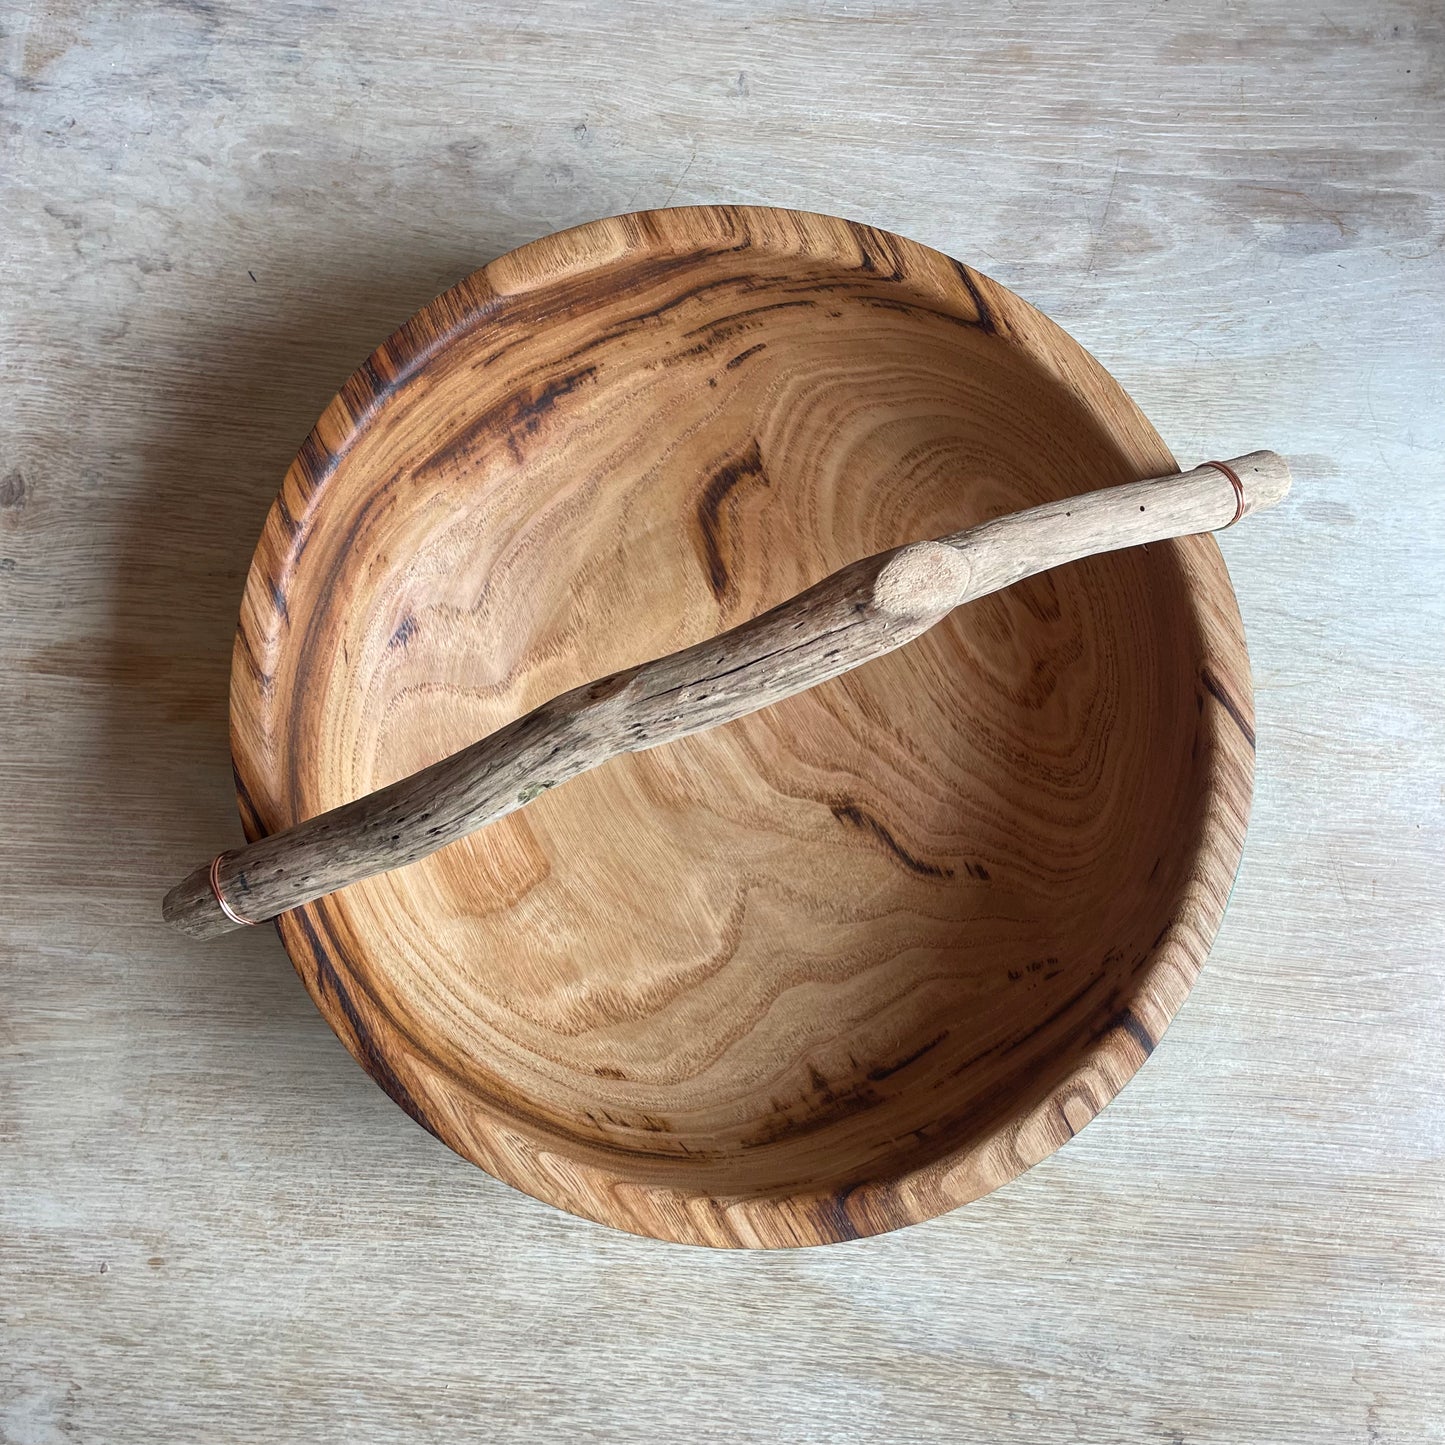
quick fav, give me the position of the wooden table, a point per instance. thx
(212, 1225)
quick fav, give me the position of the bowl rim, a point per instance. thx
(577, 1178)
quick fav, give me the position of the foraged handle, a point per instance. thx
(858, 613)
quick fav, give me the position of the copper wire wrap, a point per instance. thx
(1238, 490)
(221, 898)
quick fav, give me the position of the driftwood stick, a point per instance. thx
(858, 613)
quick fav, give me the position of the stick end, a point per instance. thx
(191, 908)
(1265, 477)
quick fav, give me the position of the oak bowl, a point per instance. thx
(839, 966)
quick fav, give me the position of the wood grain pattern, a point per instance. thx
(831, 968)
(1236, 206)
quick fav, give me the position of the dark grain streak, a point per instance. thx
(742, 356)
(888, 1070)
(834, 1220)
(278, 599)
(987, 322)
(709, 511)
(1127, 1020)
(1218, 693)
(518, 416)
(722, 328)
(371, 1058)
(849, 812)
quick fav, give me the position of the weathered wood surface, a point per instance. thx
(213, 1224)
(863, 611)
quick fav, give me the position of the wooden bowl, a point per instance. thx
(834, 968)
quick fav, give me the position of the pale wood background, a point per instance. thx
(212, 1225)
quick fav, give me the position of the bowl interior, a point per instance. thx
(864, 934)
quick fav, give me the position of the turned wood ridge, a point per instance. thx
(860, 612)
